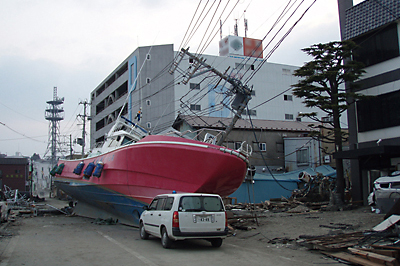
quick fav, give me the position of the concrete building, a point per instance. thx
(14, 172)
(161, 97)
(374, 124)
(271, 141)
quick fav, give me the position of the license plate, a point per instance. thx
(203, 219)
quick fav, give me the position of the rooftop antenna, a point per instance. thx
(235, 29)
(245, 25)
(54, 113)
(220, 29)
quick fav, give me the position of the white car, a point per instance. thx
(174, 217)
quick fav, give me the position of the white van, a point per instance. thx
(174, 217)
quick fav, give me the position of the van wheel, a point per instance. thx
(143, 233)
(165, 240)
(216, 242)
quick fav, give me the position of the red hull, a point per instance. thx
(162, 164)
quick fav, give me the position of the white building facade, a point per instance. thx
(143, 82)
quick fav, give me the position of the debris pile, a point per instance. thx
(14, 203)
(314, 188)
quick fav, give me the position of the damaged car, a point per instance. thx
(386, 191)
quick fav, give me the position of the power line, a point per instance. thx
(22, 134)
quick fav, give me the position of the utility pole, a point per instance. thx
(84, 117)
(242, 92)
(70, 146)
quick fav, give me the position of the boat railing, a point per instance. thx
(204, 135)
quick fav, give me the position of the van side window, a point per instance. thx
(153, 205)
(168, 204)
(160, 203)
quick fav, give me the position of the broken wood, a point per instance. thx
(374, 257)
(337, 242)
(393, 219)
(387, 252)
(351, 258)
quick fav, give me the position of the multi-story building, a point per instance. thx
(142, 82)
(374, 123)
(14, 172)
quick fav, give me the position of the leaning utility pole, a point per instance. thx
(242, 92)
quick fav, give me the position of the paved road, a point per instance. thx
(61, 240)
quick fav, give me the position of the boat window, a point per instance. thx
(153, 205)
(126, 141)
(168, 204)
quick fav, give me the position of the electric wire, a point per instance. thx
(22, 134)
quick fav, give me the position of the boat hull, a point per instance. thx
(132, 175)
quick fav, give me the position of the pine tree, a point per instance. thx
(321, 85)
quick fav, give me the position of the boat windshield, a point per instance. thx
(126, 141)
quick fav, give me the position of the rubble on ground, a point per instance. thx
(378, 246)
(15, 204)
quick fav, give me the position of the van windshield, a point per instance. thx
(200, 203)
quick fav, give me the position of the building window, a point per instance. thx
(194, 86)
(195, 107)
(302, 157)
(288, 116)
(100, 124)
(279, 147)
(262, 146)
(148, 80)
(288, 97)
(379, 112)
(286, 71)
(251, 112)
(377, 46)
(238, 144)
(132, 74)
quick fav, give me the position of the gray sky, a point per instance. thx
(75, 44)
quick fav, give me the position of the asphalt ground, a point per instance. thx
(54, 238)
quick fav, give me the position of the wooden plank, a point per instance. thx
(378, 258)
(351, 258)
(387, 252)
(387, 223)
(385, 247)
(332, 243)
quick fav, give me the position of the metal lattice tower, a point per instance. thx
(54, 113)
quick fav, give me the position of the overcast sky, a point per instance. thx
(75, 44)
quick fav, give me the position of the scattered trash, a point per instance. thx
(109, 221)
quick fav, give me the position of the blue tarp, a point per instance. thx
(266, 187)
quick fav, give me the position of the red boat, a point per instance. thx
(136, 167)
